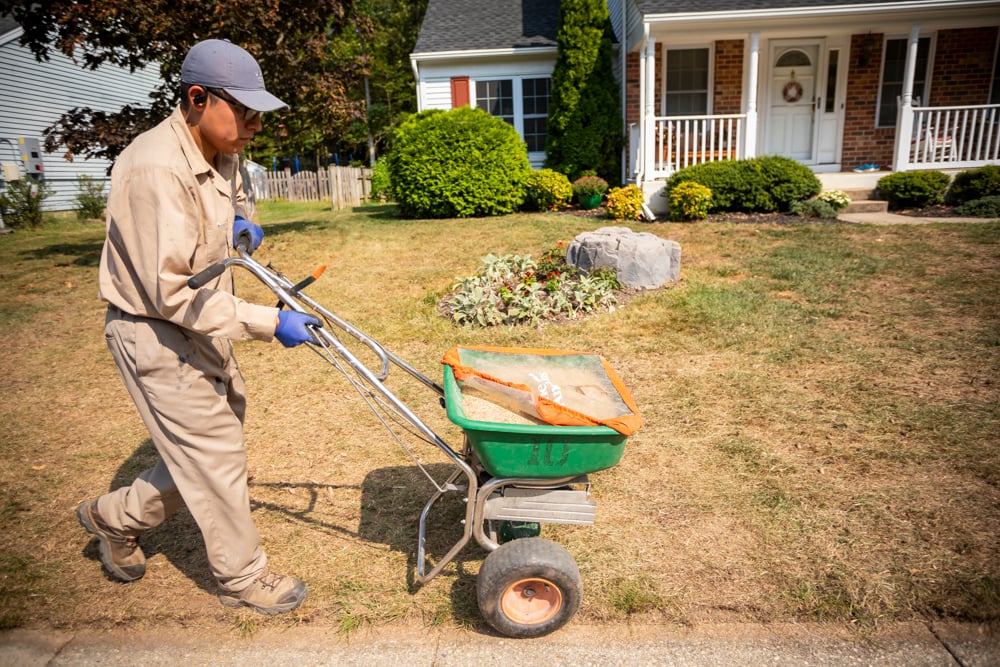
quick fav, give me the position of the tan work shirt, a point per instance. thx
(170, 215)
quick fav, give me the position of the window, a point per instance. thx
(995, 90)
(522, 102)
(535, 94)
(893, 71)
(496, 98)
(829, 103)
(686, 84)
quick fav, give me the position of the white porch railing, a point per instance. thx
(682, 141)
(958, 137)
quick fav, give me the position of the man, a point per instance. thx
(175, 207)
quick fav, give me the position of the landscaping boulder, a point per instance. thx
(640, 259)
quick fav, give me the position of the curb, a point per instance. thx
(902, 645)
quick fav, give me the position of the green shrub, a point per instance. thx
(625, 203)
(21, 203)
(690, 201)
(381, 183)
(787, 181)
(975, 184)
(814, 208)
(90, 199)
(457, 164)
(763, 184)
(985, 207)
(547, 190)
(588, 186)
(913, 189)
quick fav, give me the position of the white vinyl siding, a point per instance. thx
(36, 94)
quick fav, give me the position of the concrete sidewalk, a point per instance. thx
(902, 645)
(894, 219)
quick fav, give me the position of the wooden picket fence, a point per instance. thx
(341, 186)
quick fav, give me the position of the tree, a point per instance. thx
(585, 125)
(384, 47)
(290, 39)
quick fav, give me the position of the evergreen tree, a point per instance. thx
(585, 125)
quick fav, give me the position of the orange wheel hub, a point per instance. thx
(531, 601)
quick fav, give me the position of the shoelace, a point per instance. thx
(269, 580)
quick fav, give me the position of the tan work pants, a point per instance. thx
(192, 398)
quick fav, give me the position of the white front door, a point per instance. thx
(791, 125)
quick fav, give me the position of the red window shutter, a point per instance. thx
(459, 91)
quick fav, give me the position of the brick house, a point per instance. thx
(834, 84)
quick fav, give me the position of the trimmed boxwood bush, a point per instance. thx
(913, 189)
(547, 190)
(975, 184)
(763, 184)
(457, 164)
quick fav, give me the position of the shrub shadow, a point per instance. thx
(85, 254)
(378, 211)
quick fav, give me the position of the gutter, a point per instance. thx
(483, 53)
(817, 12)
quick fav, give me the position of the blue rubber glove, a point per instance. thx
(292, 329)
(243, 226)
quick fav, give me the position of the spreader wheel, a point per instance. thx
(528, 588)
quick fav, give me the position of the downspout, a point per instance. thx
(641, 172)
(623, 84)
(420, 88)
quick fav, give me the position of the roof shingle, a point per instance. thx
(469, 25)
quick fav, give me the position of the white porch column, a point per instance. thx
(753, 76)
(904, 118)
(649, 110)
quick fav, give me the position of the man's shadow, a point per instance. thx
(392, 500)
(178, 538)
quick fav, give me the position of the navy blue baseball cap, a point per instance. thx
(218, 63)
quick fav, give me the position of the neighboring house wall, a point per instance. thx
(435, 85)
(35, 94)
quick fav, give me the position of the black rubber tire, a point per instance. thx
(529, 588)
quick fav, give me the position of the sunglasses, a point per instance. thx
(246, 112)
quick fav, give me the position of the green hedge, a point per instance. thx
(763, 184)
(975, 184)
(913, 189)
(457, 164)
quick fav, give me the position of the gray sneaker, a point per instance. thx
(269, 594)
(120, 554)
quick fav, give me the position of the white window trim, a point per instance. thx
(518, 95)
(711, 74)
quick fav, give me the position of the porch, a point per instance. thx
(943, 138)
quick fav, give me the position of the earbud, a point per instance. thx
(200, 99)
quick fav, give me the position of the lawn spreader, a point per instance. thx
(574, 418)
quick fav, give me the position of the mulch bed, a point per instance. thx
(931, 212)
(774, 218)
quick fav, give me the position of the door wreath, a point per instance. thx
(792, 92)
